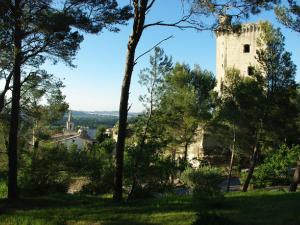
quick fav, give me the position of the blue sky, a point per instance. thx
(95, 83)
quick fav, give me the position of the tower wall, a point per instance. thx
(231, 50)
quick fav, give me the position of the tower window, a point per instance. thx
(250, 70)
(246, 48)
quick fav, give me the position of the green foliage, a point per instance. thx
(108, 146)
(276, 167)
(99, 168)
(152, 172)
(279, 87)
(205, 183)
(50, 25)
(146, 165)
(232, 10)
(44, 170)
(176, 101)
(186, 103)
(50, 169)
(153, 78)
(262, 108)
(3, 189)
(238, 111)
(100, 134)
(289, 16)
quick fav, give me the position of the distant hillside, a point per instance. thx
(100, 113)
(93, 119)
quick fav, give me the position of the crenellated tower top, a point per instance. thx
(236, 48)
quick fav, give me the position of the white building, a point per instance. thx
(70, 137)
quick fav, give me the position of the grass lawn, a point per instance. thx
(253, 208)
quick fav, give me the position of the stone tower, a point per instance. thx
(236, 50)
(70, 124)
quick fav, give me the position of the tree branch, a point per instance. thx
(3, 93)
(184, 23)
(146, 52)
(150, 6)
(129, 107)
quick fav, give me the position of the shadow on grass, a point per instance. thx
(81, 210)
(263, 208)
(253, 208)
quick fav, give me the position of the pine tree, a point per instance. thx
(32, 32)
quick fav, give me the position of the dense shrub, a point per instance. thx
(205, 183)
(3, 189)
(45, 170)
(151, 170)
(52, 168)
(100, 171)
(276, 167)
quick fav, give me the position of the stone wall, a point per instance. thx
(231, 50)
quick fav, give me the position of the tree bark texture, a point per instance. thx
(251, 169)
(140, 8)
(185, 156)
(296, 179)
(15, 108)
(231, 162)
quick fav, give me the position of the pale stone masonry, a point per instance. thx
(236, 50)
(233, 50)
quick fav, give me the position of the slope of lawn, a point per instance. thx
(261, 208)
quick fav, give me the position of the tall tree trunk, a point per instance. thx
(2, 102)
(231, 161)
(140, 8)
(296, 179)
(185, 156)
(15, 109)
(251, 169)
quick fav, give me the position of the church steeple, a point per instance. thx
(70, 124)
(70, 116)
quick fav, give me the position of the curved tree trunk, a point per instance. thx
(15, 110)
(296, 179)
(231, 161)
(140, 8)
(185, 156)
(251, 169)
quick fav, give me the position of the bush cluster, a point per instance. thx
(3, 189)
(276, 168)
(49, 169)
(44, 170)
(153, 172)
(205, 183)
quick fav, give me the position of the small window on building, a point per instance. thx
(250, 70)
(246, 48)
